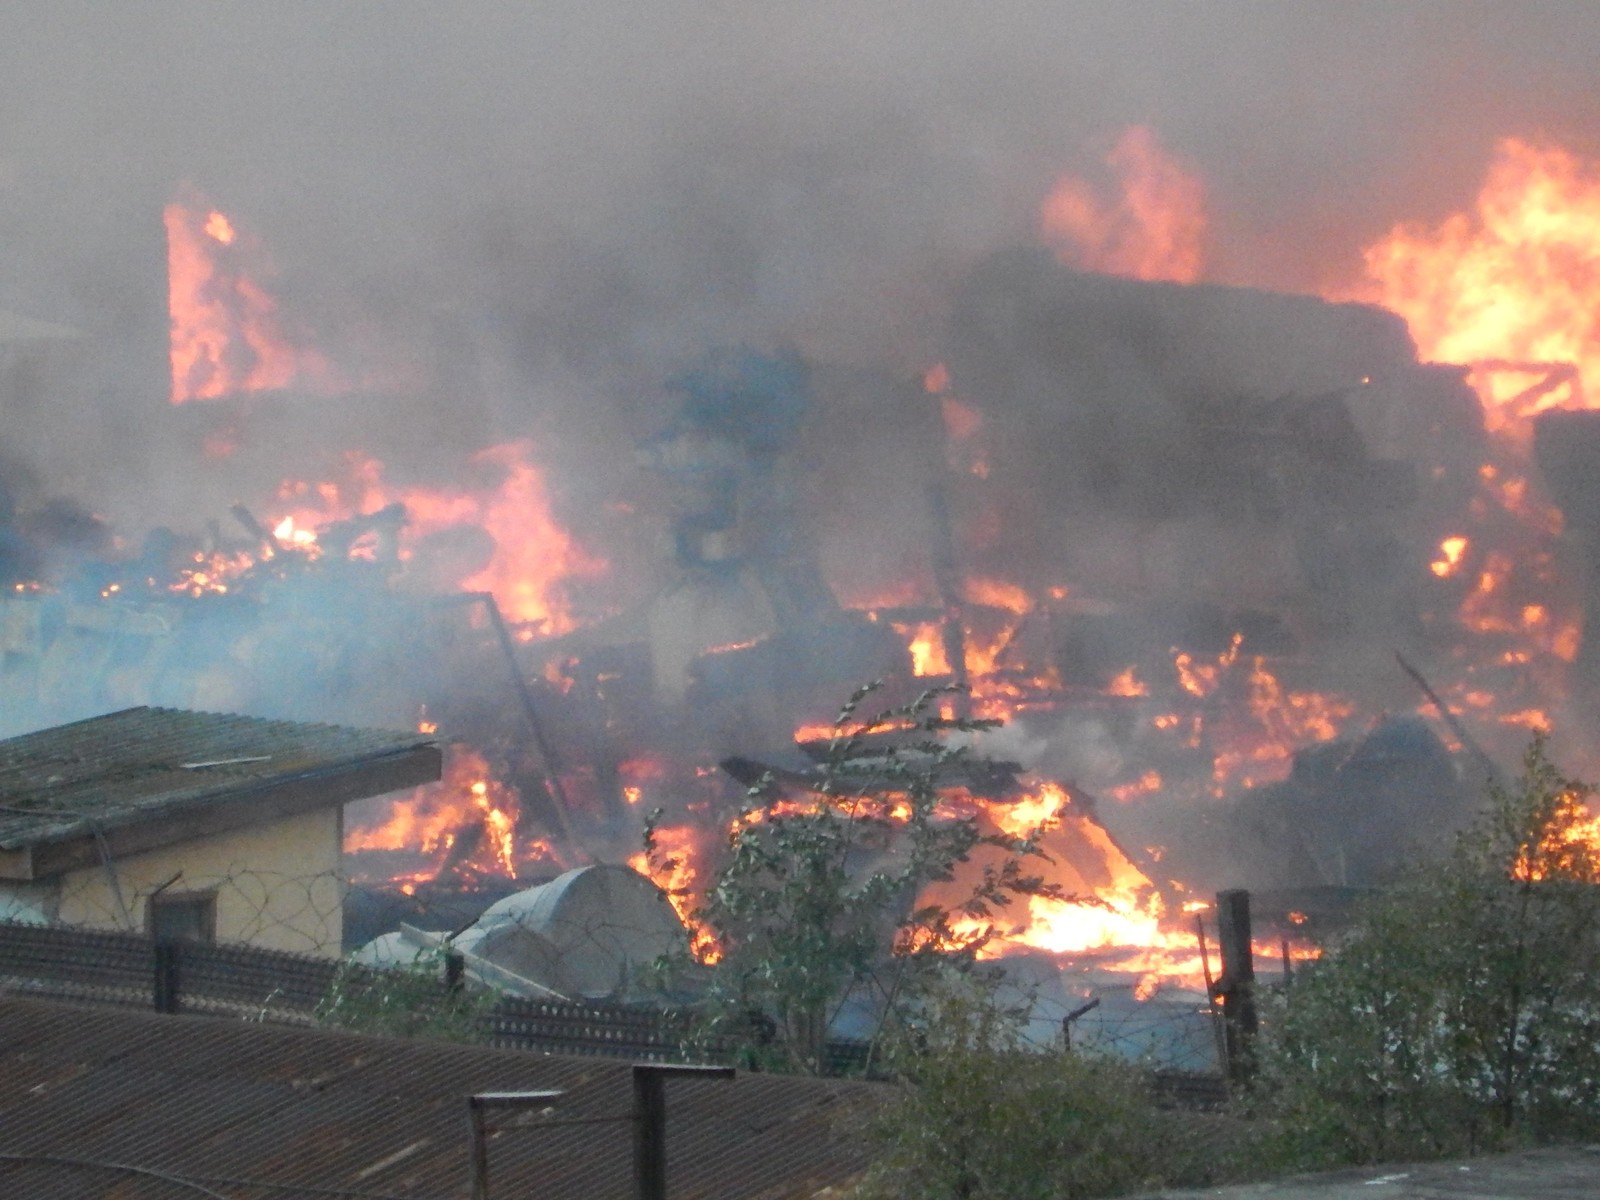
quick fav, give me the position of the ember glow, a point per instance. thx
(1450, 551)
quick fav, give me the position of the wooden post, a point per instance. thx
(477, 1149)
(1237, 984)
(165, 990)
(650, 1122)
(455, 970)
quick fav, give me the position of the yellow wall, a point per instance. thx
(278, 886)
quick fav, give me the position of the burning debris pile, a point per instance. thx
(1170, 533)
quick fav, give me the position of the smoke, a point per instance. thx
(554, 209)
(599, 191)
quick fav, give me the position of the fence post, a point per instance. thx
(1238, 981)
(478, 1107)
(455, 970)
(650, 1122)
(167, 981)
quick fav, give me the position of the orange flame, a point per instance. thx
(532, 557)
(435, 817)
(676, 870)
(926, 642)
(1153, 229)
(226, 333)
(1450, 552)
(1511, 282)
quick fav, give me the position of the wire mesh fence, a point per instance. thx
(127, 970)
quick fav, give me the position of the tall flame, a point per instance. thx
(1511, 282)
(226, 333)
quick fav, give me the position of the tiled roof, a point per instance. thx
(93, 777)
(148, 1107)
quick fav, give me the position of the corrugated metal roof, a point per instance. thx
(76, 780)
(96, 1103)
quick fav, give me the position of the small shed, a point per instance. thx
(208, 826)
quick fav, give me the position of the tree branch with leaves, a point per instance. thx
(818, 899)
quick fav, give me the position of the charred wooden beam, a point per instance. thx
(1468, 743)
(552, 808)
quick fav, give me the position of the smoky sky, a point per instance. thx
(594, 191)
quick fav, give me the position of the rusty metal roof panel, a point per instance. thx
(122, 768)
(235, 1106)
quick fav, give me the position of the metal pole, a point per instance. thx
(650, 1122)
(478, 1131)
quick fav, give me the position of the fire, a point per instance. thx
(1567, 843)
(1509, 285)
(1146, 784)
(468, 819)
(1450, 552)
(219, 229)
(674, 868)
(926, 642)
(997, 593)
(530, 555)
(290, 534)
(1200, 679)
(1253, 738)
(533, 553)
(1123, 911)
(227, 334)
(1154, 228)
(1127, 684)
(210, 574)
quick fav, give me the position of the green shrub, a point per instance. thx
(814, 903)
(980, 1117)
(405, 1001)
(1461, 1010)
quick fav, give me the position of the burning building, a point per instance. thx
(550, 487)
